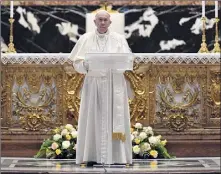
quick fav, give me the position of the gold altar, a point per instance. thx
(177, 94)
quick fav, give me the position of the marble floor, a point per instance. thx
(177, 165)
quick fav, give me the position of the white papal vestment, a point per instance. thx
(94, 140)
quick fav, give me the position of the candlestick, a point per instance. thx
(216, 48)
(203, 9)
(203, 48)
(11, 9)
(11, 48)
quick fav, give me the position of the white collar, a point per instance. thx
(100, 35)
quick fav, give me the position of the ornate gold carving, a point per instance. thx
(213, 98)
(178, 98)
(56, 98)
(34, 81)
(72, 87)
(177, 82)
(35, 119)
(35, 97)
(106, 6)
(188, 99)
(20, 78)
(215, 88)
(47, 78)
(138, 106)
(178, 122)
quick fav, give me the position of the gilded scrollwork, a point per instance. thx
(33, 80)
(178, 122)
(32, 97)
(213, 97)
(178, 99)
(139, 104)
(72, 87)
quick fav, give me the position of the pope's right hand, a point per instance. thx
(86, 65)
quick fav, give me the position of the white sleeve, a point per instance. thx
(125, 46)
(77, 55)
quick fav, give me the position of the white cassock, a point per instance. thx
(100, 137)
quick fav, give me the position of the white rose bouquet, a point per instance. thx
(61, 145)
(146, 145)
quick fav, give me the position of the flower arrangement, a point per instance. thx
(61, 145)
(146, 145)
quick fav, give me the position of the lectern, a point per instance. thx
(110, 61)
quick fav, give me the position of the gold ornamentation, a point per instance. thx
(189, 98)
(213, 98)
(106, 6)
(178, 92)
(48, 78)
(32, 97)
(198, 101)
(215, 89)
(34, 80)
(138, 106)
(177, 82)
(11, 48)
(216, 48)
(73, 84)
(203, 48)
(178, 122)
(119, 136)
(20, 78)
(35, 120)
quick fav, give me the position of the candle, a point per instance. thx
(216, 9)
(203, 8)
(11, 9)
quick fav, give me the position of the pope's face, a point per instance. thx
(102, 21)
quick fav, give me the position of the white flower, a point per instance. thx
(148, 130)
(69, 126)
(136, 149)
(56, 137)
(145, 147)
(154, 153)
(66, 144)
(132, 137)
(143, 135)
(64, 132)
(135, 133)
(154, 140)
(74, 134)
(54, 145)
(72, 129)
(138, 126)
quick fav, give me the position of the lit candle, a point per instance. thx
(203, 8)
(11, 9)
(216, 9)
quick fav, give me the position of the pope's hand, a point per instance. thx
(86, 65)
